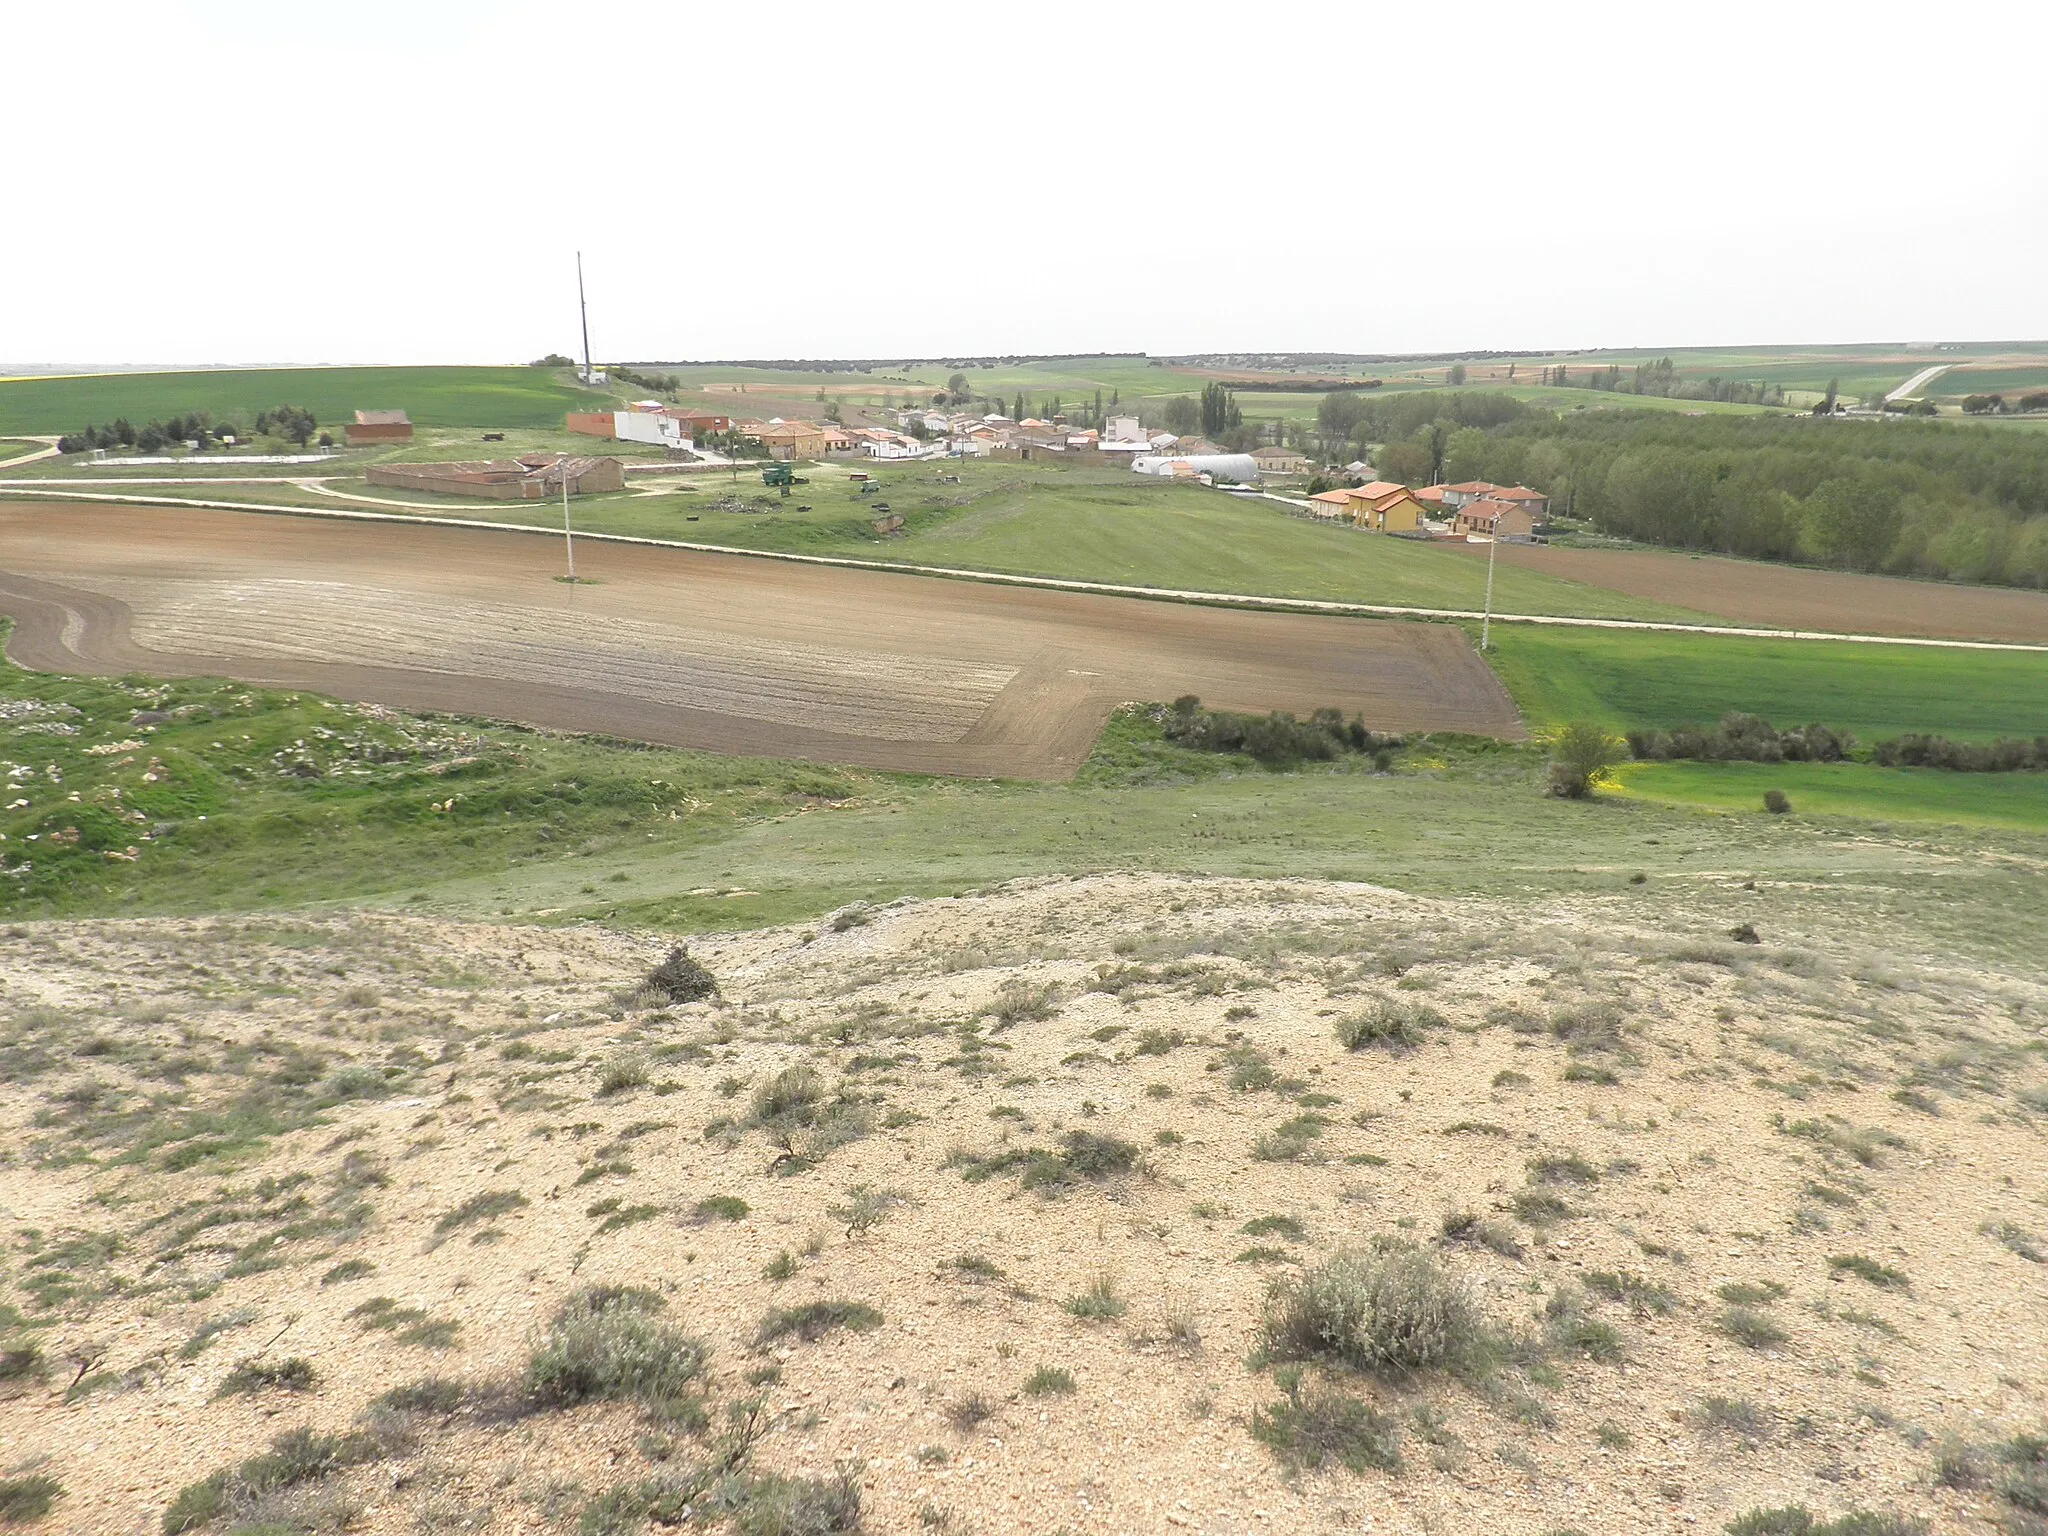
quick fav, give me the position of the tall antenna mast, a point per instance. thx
(584, 309)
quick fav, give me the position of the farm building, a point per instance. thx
(1275, 460)
(791, 440)
(379, 427)
(644, 422)
(1534, 502)
(1387, 508)
(1380, 505)
(532, 477)
(1236, 467)
(1497, 519)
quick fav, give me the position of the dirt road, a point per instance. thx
(1795, 597)
(689, 649)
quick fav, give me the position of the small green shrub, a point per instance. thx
(197, 1503)
(1563, 1168)
(621, 1072)
(1747, 1293)
(1315, 1425)
(1274, 1226)
(348, 1269)
(813, 1320)
(1883, 1276)
(1048, 1381)
(1750, 1328)
(483, 1207)
(1391, 1023)
(1396, 1311)
(720, 1208)
(1583, 757)
(1098, 1301)
(609, 1342)
(1777, 802)
(1733, 1416)
(27, 1498)
(1643, 1296)
(1797, 1520)
(294, 1374)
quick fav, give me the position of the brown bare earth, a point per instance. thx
(1747, 1225)
(1795, 597)
(728, 653)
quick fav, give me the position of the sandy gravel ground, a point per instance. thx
(723, 652)
(1749, 1135)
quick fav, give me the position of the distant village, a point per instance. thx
(1469, 510)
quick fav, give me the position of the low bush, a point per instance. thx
(609, 1342)
(1048, 1381)
(1583, 756)
(1276, 740)
(27, 1498)
(1798, 1520)
(1883, 1276)
(1098, 1301)
(681, 979)
(1396, 1024)
(1742, 738)
(1750, 1328)
(295, 1374)
(814, 1319)
(1314, 1425)
(483, 1207)
(1397, 1310)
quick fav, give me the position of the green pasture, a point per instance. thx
(1859, 790)
(1644, 678)
(1958, 382)
(14, 448)
(449, 397)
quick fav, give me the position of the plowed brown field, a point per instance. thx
(722, 652)
(1795, 597)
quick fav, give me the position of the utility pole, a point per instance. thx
(569, 538)
(583, 309)
(1485, 621)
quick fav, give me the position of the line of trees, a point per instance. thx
(291, 423)
(1911, 497)
(1662, 378)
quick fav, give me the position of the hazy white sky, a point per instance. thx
(408, 182)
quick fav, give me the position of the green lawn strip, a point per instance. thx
(482, 396)
(1860, 790)
(1634, 678)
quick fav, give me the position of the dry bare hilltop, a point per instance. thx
(1099, 1205)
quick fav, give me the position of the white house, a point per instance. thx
(1123, 429)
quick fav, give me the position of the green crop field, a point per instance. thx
(448, 397)
(14, 448)
(1958, 382)
(1627, 679)
(1860, 790)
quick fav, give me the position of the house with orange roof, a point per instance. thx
(1509, 520)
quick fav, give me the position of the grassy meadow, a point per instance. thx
(1860, 791)
(1630, 678)
(256, 799)
(447, 397)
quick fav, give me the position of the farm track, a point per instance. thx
(688, 648)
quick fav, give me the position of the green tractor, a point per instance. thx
(783, 475)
